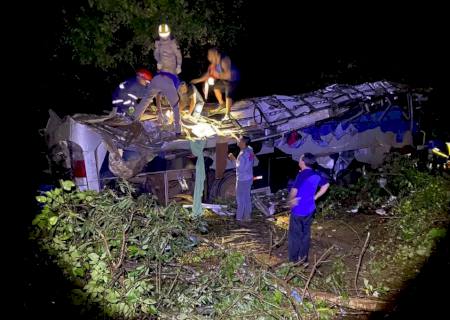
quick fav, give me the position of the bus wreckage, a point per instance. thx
(339, 124)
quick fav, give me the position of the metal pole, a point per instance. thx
(166, 188)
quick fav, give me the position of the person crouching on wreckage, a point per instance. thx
(190, 97)
(165, 84)
(130, 92)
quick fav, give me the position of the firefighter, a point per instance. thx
(130, 92)
(439, 155)
(167, 52)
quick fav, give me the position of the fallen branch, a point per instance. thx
(105, 242)
(314, 268)
(281, 240)
(171, 288)
(270, 242)
(297, 274)
(359, 262)
(291, 266)
(264, 302)
(211, 243)
(225, 312)
(122, 249)
(288, 293)
(354, 303)
(297, 313)
(314, 305)
(174, 282)
(158, 278)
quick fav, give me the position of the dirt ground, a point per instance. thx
(267, 241)
(259, 235)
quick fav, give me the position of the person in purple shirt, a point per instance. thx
(244, 179)
(302, 198)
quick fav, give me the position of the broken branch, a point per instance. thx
(314, 268)
(359, 262)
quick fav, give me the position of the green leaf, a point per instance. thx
(149, 301)
(152, 310)
(421, 251)
(277, 296)
(112, 297)
(75, 255)
(37, 219)
(81, 195)
(132, 297)
(78, 272)
(53, 220)
(41, 199)
(133, 250)
(437, 233)
(94, 257)
(67, 185)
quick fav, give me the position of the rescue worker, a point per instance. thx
(302, 199)
(437, 158)
(130, 92)
(244, 179)
(223, 76)
(167, 52)
(189, 96)
(164, 84)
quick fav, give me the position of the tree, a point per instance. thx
(108, 33)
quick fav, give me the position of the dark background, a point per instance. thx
(286, 49)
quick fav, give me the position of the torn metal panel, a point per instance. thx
(126, 168)
(373, 139)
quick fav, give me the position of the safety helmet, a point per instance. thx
(144, 73)
(164, 30)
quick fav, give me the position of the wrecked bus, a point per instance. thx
(339, 124)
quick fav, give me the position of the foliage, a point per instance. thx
(136, 259)
(382, 188)
(420, 220)
(106, 33)
(111, 243)
(416, 205)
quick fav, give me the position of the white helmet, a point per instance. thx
(164, 30)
